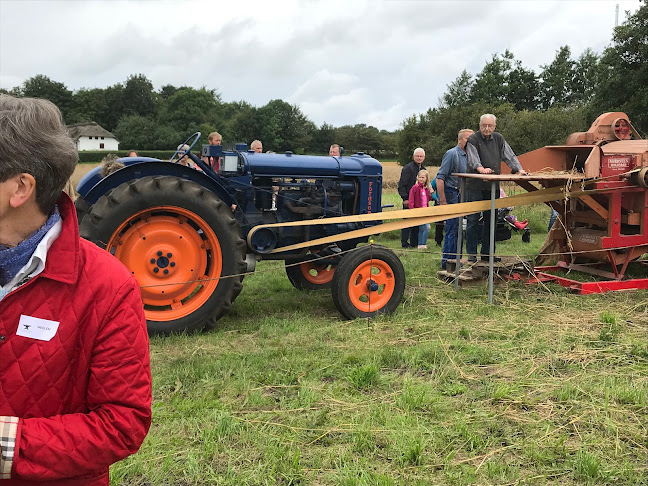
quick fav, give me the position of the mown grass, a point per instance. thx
(543, 387)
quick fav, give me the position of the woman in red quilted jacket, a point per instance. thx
(75, 381)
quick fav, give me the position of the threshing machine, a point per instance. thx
(183, 231)
(608, 226)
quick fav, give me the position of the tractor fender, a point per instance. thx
(92, 186)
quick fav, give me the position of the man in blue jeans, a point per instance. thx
(454, 161)
(486, 149)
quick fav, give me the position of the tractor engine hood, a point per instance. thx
(309, 166)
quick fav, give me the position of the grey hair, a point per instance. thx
(487, 115)
(418, 149)
(34, 140)
(465, 130)
(255, 142)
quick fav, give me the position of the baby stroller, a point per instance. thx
(505, 223)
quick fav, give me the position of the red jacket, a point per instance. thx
(83, 398)
(416, 196)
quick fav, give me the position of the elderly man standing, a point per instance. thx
(486, 149)
(75, 381)
(409, 236)
(454, 161)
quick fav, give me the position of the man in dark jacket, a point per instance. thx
(486, 149)
(409, 236)
(75, 381)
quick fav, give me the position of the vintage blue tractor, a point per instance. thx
(182, 229)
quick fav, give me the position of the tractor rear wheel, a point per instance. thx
(82, 208)
(182, 244)
(367, 282)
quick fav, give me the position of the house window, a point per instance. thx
(102, 138)
(89, 138)
(101, 145)
(96, 138)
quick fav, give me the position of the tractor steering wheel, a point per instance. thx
(196, 137)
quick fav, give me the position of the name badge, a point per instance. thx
(35, 328)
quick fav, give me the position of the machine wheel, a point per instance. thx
(526, 235)
(179, 240)
(309, 275)
(368, 281)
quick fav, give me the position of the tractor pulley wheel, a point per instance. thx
(368, 282)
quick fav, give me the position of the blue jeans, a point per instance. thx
(423, 232)
(552, 218)
(472, 226)
(451, 227)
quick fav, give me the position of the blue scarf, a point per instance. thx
(14, 258)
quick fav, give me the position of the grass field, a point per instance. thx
(543, 387)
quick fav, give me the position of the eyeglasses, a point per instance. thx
(487, 125)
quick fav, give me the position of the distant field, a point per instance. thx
(80, 171)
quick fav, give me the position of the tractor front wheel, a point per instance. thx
(367, 282)
(182, 244)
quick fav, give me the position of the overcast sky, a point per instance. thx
(343, 62)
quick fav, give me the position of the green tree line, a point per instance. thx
(538, 109)
(145, 119)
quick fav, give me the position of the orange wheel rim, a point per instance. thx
(317, 274)
(175, 257)
(371, 285)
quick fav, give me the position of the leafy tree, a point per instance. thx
(623, 71)
(491, 83)
(459, 91)
(322, 139)
(167, 91)
(285, 127)
(530, 130)
(137, 132)
(40, 86)
(88, 105)
(188, 108)
(245, 126)
(585, 80)
(138, 96)
(558, 80)
(388, 145)
(523, 88)
(113, 107)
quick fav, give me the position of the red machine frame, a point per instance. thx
(610, 226)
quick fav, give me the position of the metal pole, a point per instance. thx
(491, 256)
(462, 185)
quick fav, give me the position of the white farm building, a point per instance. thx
(90, 136)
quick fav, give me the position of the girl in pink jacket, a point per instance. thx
(419, 197)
